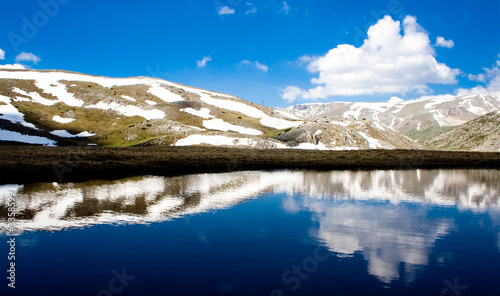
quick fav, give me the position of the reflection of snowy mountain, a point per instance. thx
(149, 199)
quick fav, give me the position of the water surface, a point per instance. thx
(416, 232)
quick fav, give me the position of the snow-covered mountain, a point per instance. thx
(345, 134)
(421, 119)
(58, 108)
(65, 108)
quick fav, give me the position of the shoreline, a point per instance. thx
(31, 164)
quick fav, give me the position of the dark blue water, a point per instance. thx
(283, 233)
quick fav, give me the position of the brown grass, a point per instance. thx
(26, 164)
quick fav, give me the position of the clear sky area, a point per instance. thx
(278, 53)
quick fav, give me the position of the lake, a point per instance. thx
(394, 232)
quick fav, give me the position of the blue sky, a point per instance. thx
(273, 52)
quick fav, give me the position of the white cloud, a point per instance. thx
(251, 8)
(255, 64)
(440, 41)
(388, 62)
(203, 62)
(285, 7)
(479, 77)
(224, 10)
(27, 57)
(2, 54)
(13, 67)
(490, 76)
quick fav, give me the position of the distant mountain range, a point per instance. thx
(65, 108)
(421, 120)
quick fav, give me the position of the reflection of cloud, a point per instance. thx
(149, 199)
(387, 236)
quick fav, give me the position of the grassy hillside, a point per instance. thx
(482, 133)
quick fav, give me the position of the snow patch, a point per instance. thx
(215, 141)
(220, 125)
(129, 110)
(356, 108)
(344, 148)
(278, 123)
(288, 115)
(378, 125)
(58, 90)
(471, 108)
(9, 112)
(437, 101)
(103, 81)
(129, 98)
(341, 123)
(253, 112)
(444, 120)
(152, 103)
(158, 90)
(60, 119)
(35, 97)
(309, 146)
(395, 100)
(372, 143)
(349, 136)
(203, 112)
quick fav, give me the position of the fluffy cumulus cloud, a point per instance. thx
(388, 62)
(225, 10)
(9, 66)
(203, 62)
(490, 78)
(440, 41)
(255, 64)
(27, 57)
(13, 67)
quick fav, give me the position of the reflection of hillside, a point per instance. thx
(473, 189)
(147, 199)
(135, 200)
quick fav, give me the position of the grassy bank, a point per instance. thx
(26, 164)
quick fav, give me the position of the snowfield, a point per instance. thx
(220, 125)
(215, 141)
(58, 90)
(158, 90)
(60, 119)
(129, 110)
(9, 112)
(372, 143)
(35, 97)
(203, 112)
(266, 120)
